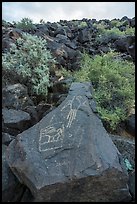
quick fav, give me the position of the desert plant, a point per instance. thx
(30, 59)
(25, 24)
(116, 23)
(82, 24)
(114, 86)
(107, 36)
(129, 31)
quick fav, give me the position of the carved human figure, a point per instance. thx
(73, 110)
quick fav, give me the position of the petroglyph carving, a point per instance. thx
(63, 163)
(73, 110)
(51, 136)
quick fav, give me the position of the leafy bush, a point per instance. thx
(129, 31)
(82, 25)
(62, 72)
(30, 60)
(114, 86)
(116, 23)
(25, 24)
(107, 36)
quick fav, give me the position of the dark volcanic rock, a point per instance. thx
(7, 138)
(65, 56)
(27, 196)
(126, 44)
(6, 44)
(11, 187)
(15, 96)
(15, 120)
(84, 35)
(130, 124)
(132, 184)
(126, 147)
(15, 33)
(68, 155)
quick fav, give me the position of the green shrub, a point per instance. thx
(62, 72)
(25, 24)
(30, 59)
(82, 25)
(116, 23)
(129, 31)
(114, 86)
(107, 36)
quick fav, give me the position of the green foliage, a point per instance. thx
(107, 36)
(83, 74)
(113, 31)
(114, 86)
(82, 24)
(130, 31)
(62, 72)
(30, 60)
(116, 23)
(25, 24)
(100, 26)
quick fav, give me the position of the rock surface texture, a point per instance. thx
(15, 121)
(12, 190)
(15, 96)
(68, 155)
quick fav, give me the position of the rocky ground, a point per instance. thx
(24, 116)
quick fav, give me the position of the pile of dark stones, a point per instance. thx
(58, 150)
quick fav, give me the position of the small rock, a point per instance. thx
(15, 96)
(7, 138)
(16, 119)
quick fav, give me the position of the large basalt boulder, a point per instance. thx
(42, 28)
(84, 35)
(126, 44)
(65, 56)
(65, 40)
(68, 155)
